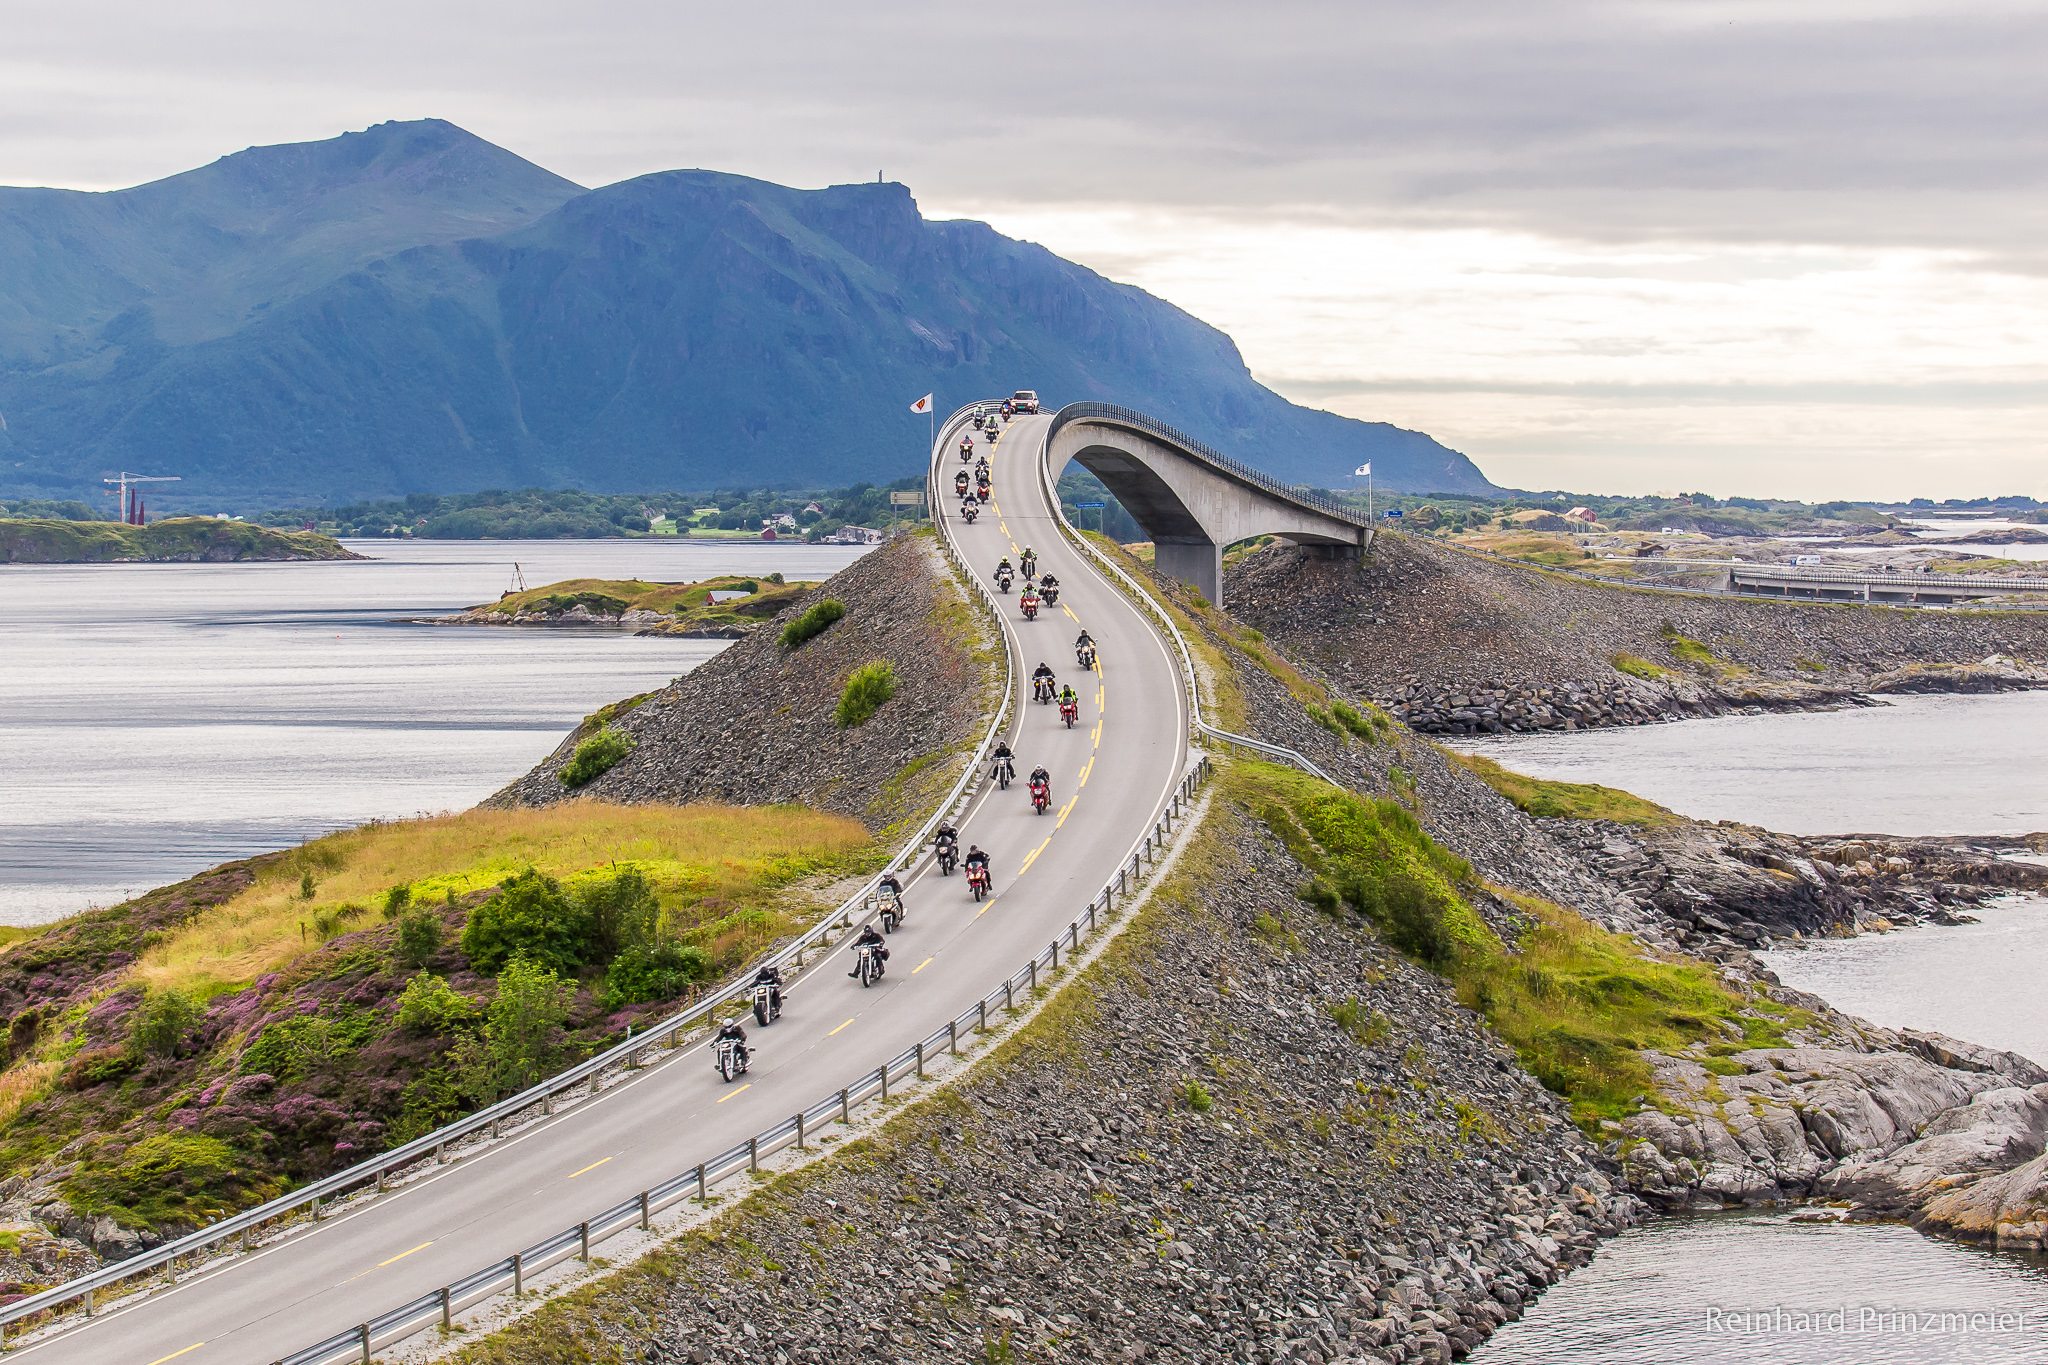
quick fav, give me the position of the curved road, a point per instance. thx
(1112, 775)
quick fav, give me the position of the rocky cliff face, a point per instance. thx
(1456, 643)
(756, 725)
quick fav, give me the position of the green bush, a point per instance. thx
(812, 623)
(522, 1042)
(161, 1024)
(867, 687)
(595, 757)
(530, 917)
(397, 901)
(165, 1180)
(428, 1004)
(419, 938)
(662, 972)
(622, 912)
(308, 1043)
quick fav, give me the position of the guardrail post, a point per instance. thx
(1010, 995)
(883, 1072)
(646, 1213)
(1033, 964)
(799, 1130)
(1055, 962)
(518, 1273)
(953, 1036)
(440, 1154)
(754, 1153)
(583, 1242)
(88, 1301)
(703, 1187)
(382, 1174)
(920, 1060)
(845, 1104)
(981, 1015)
(363, 1336)
(447, 1310)
(316, 1208)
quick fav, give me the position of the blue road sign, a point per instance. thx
(1086, 506)
(1392, 514)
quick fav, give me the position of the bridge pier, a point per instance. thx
(1199, 564)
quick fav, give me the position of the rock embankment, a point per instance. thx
(726, 608)
(1457, 643)
(756, 725)
(1188, 1157)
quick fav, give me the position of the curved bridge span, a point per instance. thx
(1192, 500)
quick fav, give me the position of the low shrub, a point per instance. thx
(812, 623)
(867, 687)
(419, 938)
(428, 1004)
(162, 1024)
(1637, 666)
(530, 917)
(640, 974)
(396, 901)
(595, 757)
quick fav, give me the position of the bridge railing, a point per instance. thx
(307, 1204)
(1258, 478)
(1151, 605)
(1852, 578)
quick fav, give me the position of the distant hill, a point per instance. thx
(174, 540)
(411, 309)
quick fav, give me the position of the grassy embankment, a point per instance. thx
(315, 1005)
(193, 540)
(1569, 800)
(1579, 1005)
(687, 605)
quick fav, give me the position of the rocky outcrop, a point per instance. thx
(1459, 643)
(1188, 1157)
(756, 725)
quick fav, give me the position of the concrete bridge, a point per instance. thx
(1842, 585)
(1191, 500)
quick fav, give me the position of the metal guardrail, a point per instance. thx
(378, 1170)
(1151, 605)
(1917, 581)
(1258, 478)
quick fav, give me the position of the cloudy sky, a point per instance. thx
(1783, 247)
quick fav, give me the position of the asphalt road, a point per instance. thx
(1111, 776)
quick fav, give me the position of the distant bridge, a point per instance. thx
(1191, 500)
(1844, 585)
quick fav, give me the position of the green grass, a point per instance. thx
(812, 623)
(1566, 800)
(595, 756)
(1580, 1005)
(867, 688)
(686, 605)
(1636, 666)
(1693, 654)
(166, 1180)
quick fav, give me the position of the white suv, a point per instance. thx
(1025, 400)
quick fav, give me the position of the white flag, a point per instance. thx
(923, 404)
(1362, 470)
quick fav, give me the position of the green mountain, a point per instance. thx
(411, 309)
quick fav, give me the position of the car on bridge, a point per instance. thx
(1025, 400)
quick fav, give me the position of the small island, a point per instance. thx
(174, 540)
(717, 608)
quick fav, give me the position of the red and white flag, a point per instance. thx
(923, 404)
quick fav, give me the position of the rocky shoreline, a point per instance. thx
(581, 617)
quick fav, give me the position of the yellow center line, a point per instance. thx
(835, 1032)
(1032, 857)
(1067, 808)
(588, 1169)
(421, 1247)
(987, 906)
(1069, 611)
(175, 1354)
(1086, 769)
(1098, 733)
(729, 1094)
(920, 966)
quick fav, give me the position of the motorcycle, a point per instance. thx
(1070, 712)
(960, 483)
(1041, 690)
(1005, 772)
(767, 1004)
(978, 881)
(1041, 798)
(1051, 595)
(981, 493)
(970, 510)
(1029, 566)
(966, 450)
(1003, 580)
(1028, 603)
(1085, 656)
(892, 912)
(949, 858)
(732, 1058)
(868, 966)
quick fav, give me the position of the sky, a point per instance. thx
(1784, 248)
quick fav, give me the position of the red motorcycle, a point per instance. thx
(1070, 711)
(1029, 603)
(977, 880)
(1041, 797)
(982, 493)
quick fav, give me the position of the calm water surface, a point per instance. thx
(1925, 765)
(1919, 765)
(160, 718)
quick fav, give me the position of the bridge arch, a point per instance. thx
(1191, 500)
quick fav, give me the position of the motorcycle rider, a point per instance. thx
(1003, 758)
(1028, 599)
(1067, 698)
(870, 937)
(1041, 778)
(1083, 640)
(890, 886)
(1027, 562)
(1041, 680)
(977, 859)
(771, 977)
(734, 1033)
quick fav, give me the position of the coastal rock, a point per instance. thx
(2007, 1210)
(1997, 1130)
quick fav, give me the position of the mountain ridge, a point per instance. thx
(411, 309)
